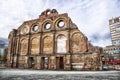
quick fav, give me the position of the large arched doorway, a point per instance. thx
(61, 44)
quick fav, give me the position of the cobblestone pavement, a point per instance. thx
(23, 74)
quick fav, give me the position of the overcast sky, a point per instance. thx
(91, 16)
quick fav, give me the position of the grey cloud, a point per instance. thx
(5, 40)
(98, 36)
(107, 36)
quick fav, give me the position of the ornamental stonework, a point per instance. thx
(52, 42)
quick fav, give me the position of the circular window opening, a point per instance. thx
(35, 28)
(48, 13)
(25, 30)
(61, 23)
(47, 26)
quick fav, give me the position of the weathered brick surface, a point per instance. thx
(52, 41)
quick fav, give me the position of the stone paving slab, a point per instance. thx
(18, 74)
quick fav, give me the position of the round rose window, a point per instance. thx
(35, 28)
(61, 24)
(47, 26)
(25, 30)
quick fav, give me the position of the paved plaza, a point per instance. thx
(23, 74)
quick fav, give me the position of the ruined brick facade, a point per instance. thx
(51, 42)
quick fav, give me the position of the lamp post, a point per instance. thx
(103, 62)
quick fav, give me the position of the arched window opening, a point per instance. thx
(24, 46)
(61, 44)
(48, 45)
(35, 46)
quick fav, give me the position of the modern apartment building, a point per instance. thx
(114, 24)
(112, 52)
(112, 49)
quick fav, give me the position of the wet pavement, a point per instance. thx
(24, 74)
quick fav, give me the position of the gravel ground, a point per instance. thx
(23, 74)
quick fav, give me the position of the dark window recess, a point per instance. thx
(35, 28)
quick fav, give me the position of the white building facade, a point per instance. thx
(114, 24)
